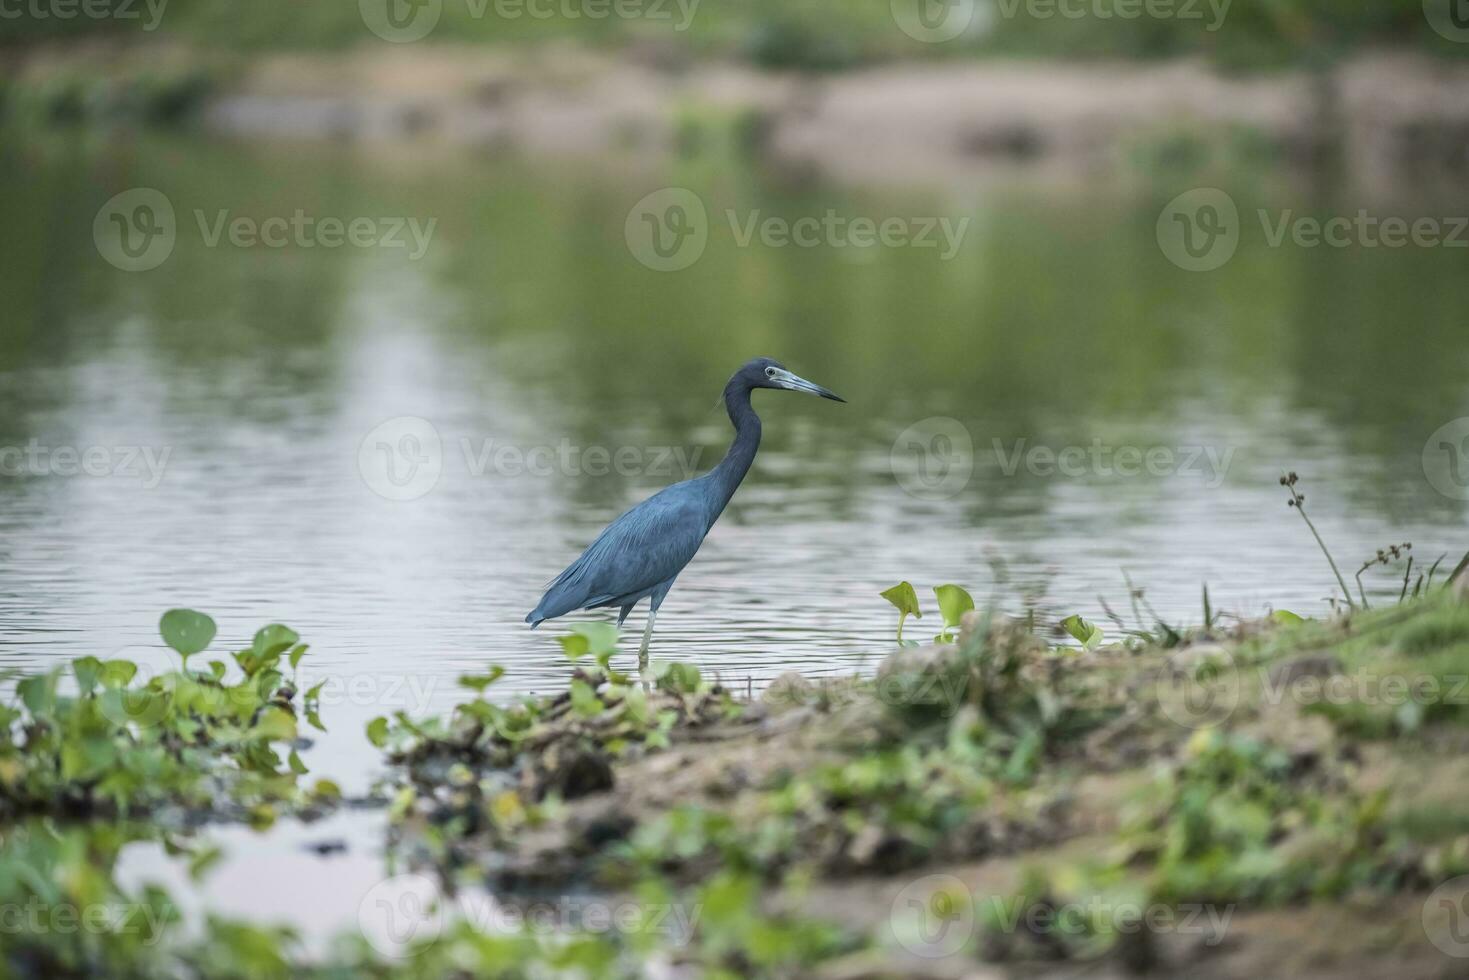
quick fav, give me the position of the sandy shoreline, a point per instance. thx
(1383, 115)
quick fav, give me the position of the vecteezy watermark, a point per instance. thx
(835, 230)
(137, 230)
(146, 464)
(1208, 463)
(404, 21)
(941, 692)
(933, 917)
(1450, 18)
(140, 704)
(406, 913)
(1446, 459)
(1210, 13)
(933, 459)
(669, 229)
(936, 917)
(1198, 687)
(149, 12)
(937, 21)
(1445, 917)
(35, 917)
(400, 913)
(403, 459)
(1200, 230)
(302, 230)
(1367, 689)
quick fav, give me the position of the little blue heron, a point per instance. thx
(640, 554)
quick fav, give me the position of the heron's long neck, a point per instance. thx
(736, 463)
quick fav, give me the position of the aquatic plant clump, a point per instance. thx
(98, 740)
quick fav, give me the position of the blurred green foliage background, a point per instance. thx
(814, 34)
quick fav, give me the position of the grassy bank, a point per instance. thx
(1206, 800)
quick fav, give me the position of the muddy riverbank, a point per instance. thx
(1218, 802)
(1386, 115)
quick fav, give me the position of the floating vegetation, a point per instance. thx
(97, 739)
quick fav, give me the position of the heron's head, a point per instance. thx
(763, 372)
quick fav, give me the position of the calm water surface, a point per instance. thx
(538, 352)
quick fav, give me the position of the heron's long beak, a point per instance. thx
(793, 382)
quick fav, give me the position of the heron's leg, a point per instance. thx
(647, 639)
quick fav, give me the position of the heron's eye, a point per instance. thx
(770, 372)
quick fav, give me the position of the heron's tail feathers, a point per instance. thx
(560, 599)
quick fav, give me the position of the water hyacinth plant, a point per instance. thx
(97, 739)
(954, 602)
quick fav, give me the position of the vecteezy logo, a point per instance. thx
(136, 230)
(933, 459)
(1199, 229)
(933, 21)
(1446, 459)
(400, 913)
(667, 230)
(1200, 692)
(933, 917)
(401, 21)
(402, 458)
(1445, 916)
(1450, 18)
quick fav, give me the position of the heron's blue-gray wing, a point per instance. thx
(646, 546)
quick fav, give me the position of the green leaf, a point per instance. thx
(906, 600)
(584, 700)
(297, 766)
(202, 860)
(678, 678)
(186, 631)
(903, 596)
(637, 704)
(574, 645)
(314, 720)
(598, 639)
(88, 670)
(954, 602)
(377, 732)
(297, 652)
(275, 724)
(274, 640)
(1286, 618)
(87, 758)
(478, 682)
(117, 673)
(601, 637)
(1087, 633)
(38, 693)
(252, 662)
(325, 789)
